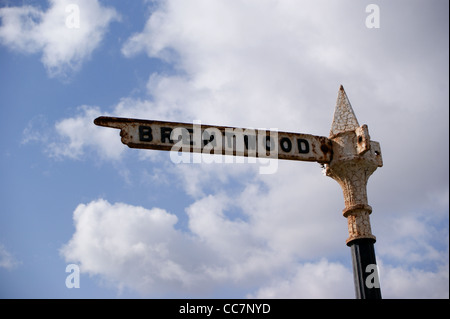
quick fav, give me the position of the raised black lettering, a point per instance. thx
(250, 142)
(303, 146)
(145, 133)
(165, 135)
(191, 140)
(286, 144)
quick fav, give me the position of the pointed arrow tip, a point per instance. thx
(108, 121)
(100, 121)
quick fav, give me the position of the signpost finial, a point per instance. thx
(344, 118)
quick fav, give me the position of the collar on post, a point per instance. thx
(355, 158)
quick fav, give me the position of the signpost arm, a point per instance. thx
(348, 155)
(355, 158)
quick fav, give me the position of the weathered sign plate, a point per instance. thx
(200, 138)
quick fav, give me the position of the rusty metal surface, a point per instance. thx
(355, 158)
(187, 137)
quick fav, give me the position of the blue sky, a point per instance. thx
(139, 225)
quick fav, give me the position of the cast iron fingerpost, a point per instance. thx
(355, 158)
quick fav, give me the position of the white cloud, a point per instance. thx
(130, 245)
(52, 33)
(7, 260)
(79, 133)
(141, 249)
(413, 283)
(325, 279)
(320, 280)
(413, 239)
(235, 57)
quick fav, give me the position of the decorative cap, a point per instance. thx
(344, 118)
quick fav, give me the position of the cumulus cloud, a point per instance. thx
(65, 34)
(129, 245)
(402, 282)
(78, 134)
(414, 239)
(322, 279)
(143, 250)
(326, 279)
(228, 63)
(75, 137)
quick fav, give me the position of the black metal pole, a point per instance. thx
(365, 271)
